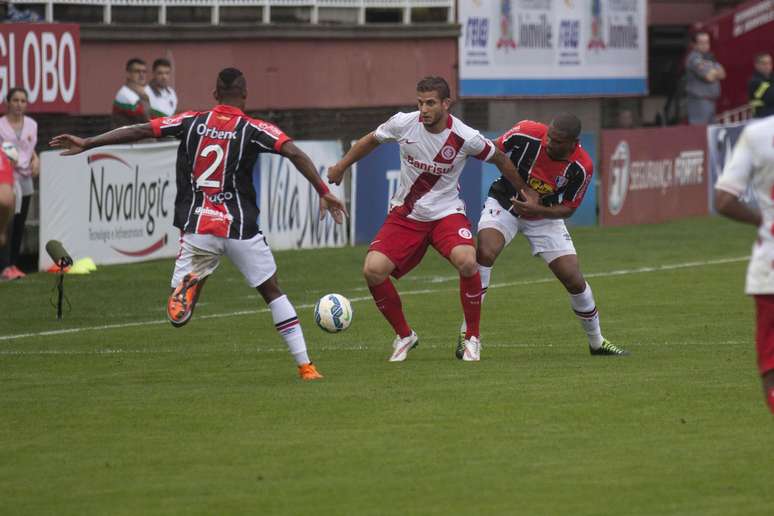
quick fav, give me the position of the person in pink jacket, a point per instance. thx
(18, 135)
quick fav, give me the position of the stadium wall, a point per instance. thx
(294, 69)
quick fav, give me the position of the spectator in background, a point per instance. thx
(703, 76)
(163, 99)
(131, 104)
(759, 88)
(18, 135)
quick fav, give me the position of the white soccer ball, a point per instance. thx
(11, 151)
(333, 313)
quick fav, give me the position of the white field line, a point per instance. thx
(443, 344)
(620, 272)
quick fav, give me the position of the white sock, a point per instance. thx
(485, 273)
(286, 322)
(586, 310)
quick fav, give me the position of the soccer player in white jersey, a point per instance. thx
(215, 204)
(752, 165)
(426, 209)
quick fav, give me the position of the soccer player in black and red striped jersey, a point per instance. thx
(215, 206)
(552, 162)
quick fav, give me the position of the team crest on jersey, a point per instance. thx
(448, 152)
(465, 233)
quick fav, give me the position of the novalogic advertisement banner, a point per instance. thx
(112, 204)
(653, 175)
(529, 48)
(42, 58)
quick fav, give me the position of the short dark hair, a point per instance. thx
(133, 61)
(161, 62)
(9, 96)
(435, 83)
(696, 35)
(567, 124)
(231, 83)
(761, 55)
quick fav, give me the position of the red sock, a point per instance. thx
(470, 294)
(388, 302)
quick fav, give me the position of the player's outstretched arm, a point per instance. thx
(509, 172)
(126, 134)
(304, 164)
(362, 148)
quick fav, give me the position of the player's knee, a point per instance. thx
(467, 266)
(486, 256)
(374, 275)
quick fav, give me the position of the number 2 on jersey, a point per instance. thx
(202, 181)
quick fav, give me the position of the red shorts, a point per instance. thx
(404, 241)
(764, 336)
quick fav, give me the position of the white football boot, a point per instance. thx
(471, 350)
(401, 347)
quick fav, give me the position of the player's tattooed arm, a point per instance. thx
(126, 134)
(358, 151)
(509, 172)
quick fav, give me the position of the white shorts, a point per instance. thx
(200, 254)
(547, 237)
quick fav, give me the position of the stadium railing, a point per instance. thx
(315, 5)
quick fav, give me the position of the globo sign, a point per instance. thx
(42, 59)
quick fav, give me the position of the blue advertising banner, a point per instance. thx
(720, 143)
(375, 179)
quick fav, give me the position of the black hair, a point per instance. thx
(435, 83)
(134, 61)
(15, 90)
(760, 55)
(231, 83)
(161, 62)
(568, 124)
(696, 35)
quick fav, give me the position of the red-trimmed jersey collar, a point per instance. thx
(231, 110)
(449, 121)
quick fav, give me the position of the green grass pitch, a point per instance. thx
(126, 415)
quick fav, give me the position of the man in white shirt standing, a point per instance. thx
(426, 209)
(163, 99)
(752, 166)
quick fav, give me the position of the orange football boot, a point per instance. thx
(308, 372)
(181, 303)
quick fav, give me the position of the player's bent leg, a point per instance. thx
(491, 243)
(566, 269)
(463, 257)
(183, 299)
(376, 270)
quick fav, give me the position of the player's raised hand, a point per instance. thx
(336, 173)
(71, 144)
(332, 204)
